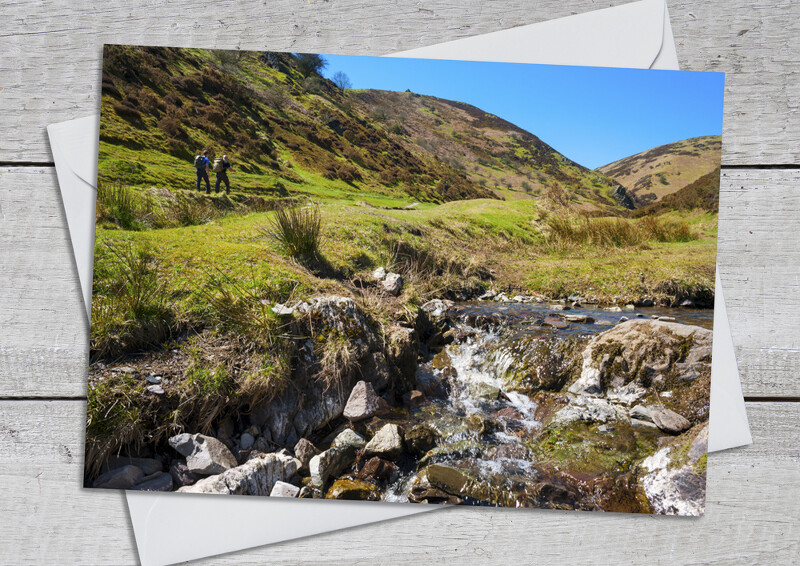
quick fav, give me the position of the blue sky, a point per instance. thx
(592, 115)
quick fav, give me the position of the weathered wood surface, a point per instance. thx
(44, 346)
(49, 71)
(751, 517)
(50, 52)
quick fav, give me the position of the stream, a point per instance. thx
(484, 428)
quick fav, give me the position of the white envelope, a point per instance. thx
(636, 35)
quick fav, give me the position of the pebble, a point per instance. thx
(282, 310)
(283, 489)
(157, 389)
(154, 379)
(246, 441)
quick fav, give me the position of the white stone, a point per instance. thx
(393, 283)
(283, 489)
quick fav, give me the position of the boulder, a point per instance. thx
(363, 402)
(380, 274)
(420, 438)
(644, 351)
(336, 459)
(205, 455)
(668, 420)
(588, 409)
(641, 413)
(423, 492)
(181, 475)
(124, 477)
(387, 443)
(159, 481)
(378, 470)
(147, 465)
(354, 490)
(257, 476)
(437, 307)
(555, 322)
(699, 446)
(447, 478)
(349, 440)
(402, 349)
(304, 450)
(392, 284)
(672, 490)
(283, 489)
(307, 492)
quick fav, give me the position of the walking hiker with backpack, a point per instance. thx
(201, 163)
(221, 167)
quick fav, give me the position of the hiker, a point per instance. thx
(201, 163)
(221, 167)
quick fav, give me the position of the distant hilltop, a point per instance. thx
(651, 175)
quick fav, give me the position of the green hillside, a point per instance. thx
(290, 132)
(651, 175)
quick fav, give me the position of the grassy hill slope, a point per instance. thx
(651, 175)
(702, 194)
(289, 132)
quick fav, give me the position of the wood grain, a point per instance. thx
(44, 349)
(50, 52)
(49, 71)
(749, 519)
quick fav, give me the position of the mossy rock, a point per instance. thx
(354, 490)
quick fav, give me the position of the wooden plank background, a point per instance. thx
(49, 72)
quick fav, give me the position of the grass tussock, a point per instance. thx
(119, 205)
(571, 231)
(337, 360)
(297, 229)
(130, 310)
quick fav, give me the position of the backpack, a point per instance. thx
(218, 166)
(199, 162)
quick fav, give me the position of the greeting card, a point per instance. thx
(403, 280)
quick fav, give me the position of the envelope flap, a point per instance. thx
(77, 140)
(631, 37)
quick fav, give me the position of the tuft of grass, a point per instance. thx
(297, 230)
(566, 231)
(191, 212)
(130, 309)
(665, 229)
(337, 360)
(119, 205)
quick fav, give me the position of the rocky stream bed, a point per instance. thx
(504, 401)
